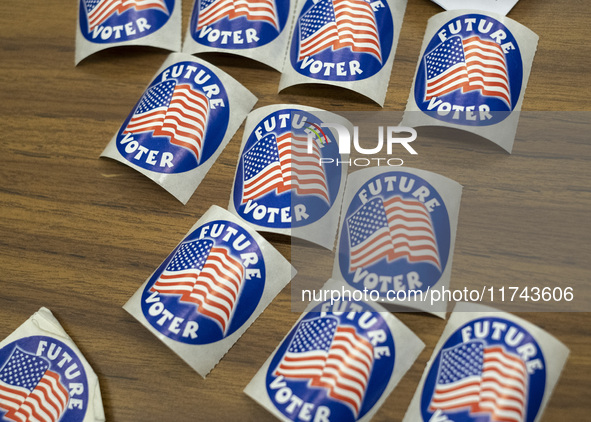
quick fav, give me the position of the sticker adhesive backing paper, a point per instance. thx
(283, 187)
(397, 235)
(45, 377)
(472, 74)
(210, 289)
(181, 124)
(488, 365)
(339, 362)
(104, 24)
(256, 29)
(346, 43)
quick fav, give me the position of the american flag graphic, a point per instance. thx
(330, 356)
(176, 111)
(205, 275)
(469, 64)
(29, 391)
(339, 24)
(212, 11)
(392, 229)
(481, 379)
(283, 164)
(99, 11)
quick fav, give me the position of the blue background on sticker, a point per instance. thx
(154, 17)
(369, 64)
(31, 345)
(265, 31)
(380, 376)
(536, 383)
(316, 207)
(184, 160)
(209, 331)
(499, 109)
(429, 274)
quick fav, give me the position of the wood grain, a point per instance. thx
(79, 234)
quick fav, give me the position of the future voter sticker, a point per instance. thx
(342, 40)
(395, 235)
(333, 365)
(41, 379)
(115, 21)
(471, 72)
(208, 286)
(280, 183)
(491, 369)
(179, 122)
(238, 24)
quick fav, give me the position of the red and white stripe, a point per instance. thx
(411, 230)
(307, 174)
(325, 37)
(348, 368)
(284, 148)
(500, 390)
(46, 403)
(11, 398)
(372, 249)
(487, 68)
(455, 77)
(106, 8)
(267, 180)
(217, 287)
(258, 10)
(344, 370)
(461, 394)
(186, 119)
(357, 27)
(504, 386)
(147, 122)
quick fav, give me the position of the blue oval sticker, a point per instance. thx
(179, 122)
(238, 24)
(332, 365)
(395, 235)
(471, 72)
(115, 21)
(280, 183)
(491, 369)
(41, 378)
(342, 40)
(208, 286)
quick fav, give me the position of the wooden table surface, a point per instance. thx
(79, 234)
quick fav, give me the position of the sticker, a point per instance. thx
(472, 73)
(472, 67)
(339, 362)
(397, 231)
(34, 385)
(210, 288)
(43, 375)
(489, 366)
(255, 29)
(238, 24)
(108, 23)
(344, 42)
(280, 185)
(502, 7)
(181, 123)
